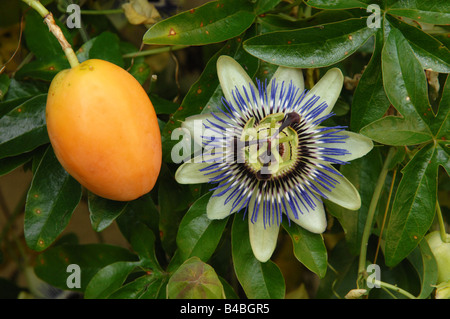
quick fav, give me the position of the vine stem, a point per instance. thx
(394, 288)
(371, 214)
(55, 30)
(154, 51)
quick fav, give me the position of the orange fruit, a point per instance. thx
(104, 130)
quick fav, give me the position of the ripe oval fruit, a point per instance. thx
(104, 130)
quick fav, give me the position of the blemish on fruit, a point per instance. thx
(172, 32)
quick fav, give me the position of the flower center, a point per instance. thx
(270, 146)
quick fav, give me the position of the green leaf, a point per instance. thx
(262, 6)
(392, 130)
(8, 164)
(311, 47)
(145, 287)
(309, 248)
(109, 279)
(24, 128)
(370, 101)
(39, 40)
(104, 211)
(404, 81)
(195, 280)
(163, 106)
(171, 211)
(141, 72)
(429, 11)
(339, 282)
(4, 85)
(259, 280)
(431, 53)
(43, 69)
(20, 90)
(198, 235)
(51, 265)
(141, 211)
(423, 261)
(339, 4)
(362, 173)
(441, 125)
(143, 243)
(414, 205)
(51, 200)
(215, 21)
(112, 54)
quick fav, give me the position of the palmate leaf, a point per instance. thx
(414, 205)
(431, 53)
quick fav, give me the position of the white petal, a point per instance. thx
(217, 208)
(263, 238)
(189, 173)
(344, 193)
(328, 88)
(357, 144)
(312, 220)
(231, 76)
(288, 76)
(196, 126)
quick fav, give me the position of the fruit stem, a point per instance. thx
(55, 30)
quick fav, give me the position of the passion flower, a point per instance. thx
(268, 154)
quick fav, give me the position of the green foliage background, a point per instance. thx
(396, 92)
